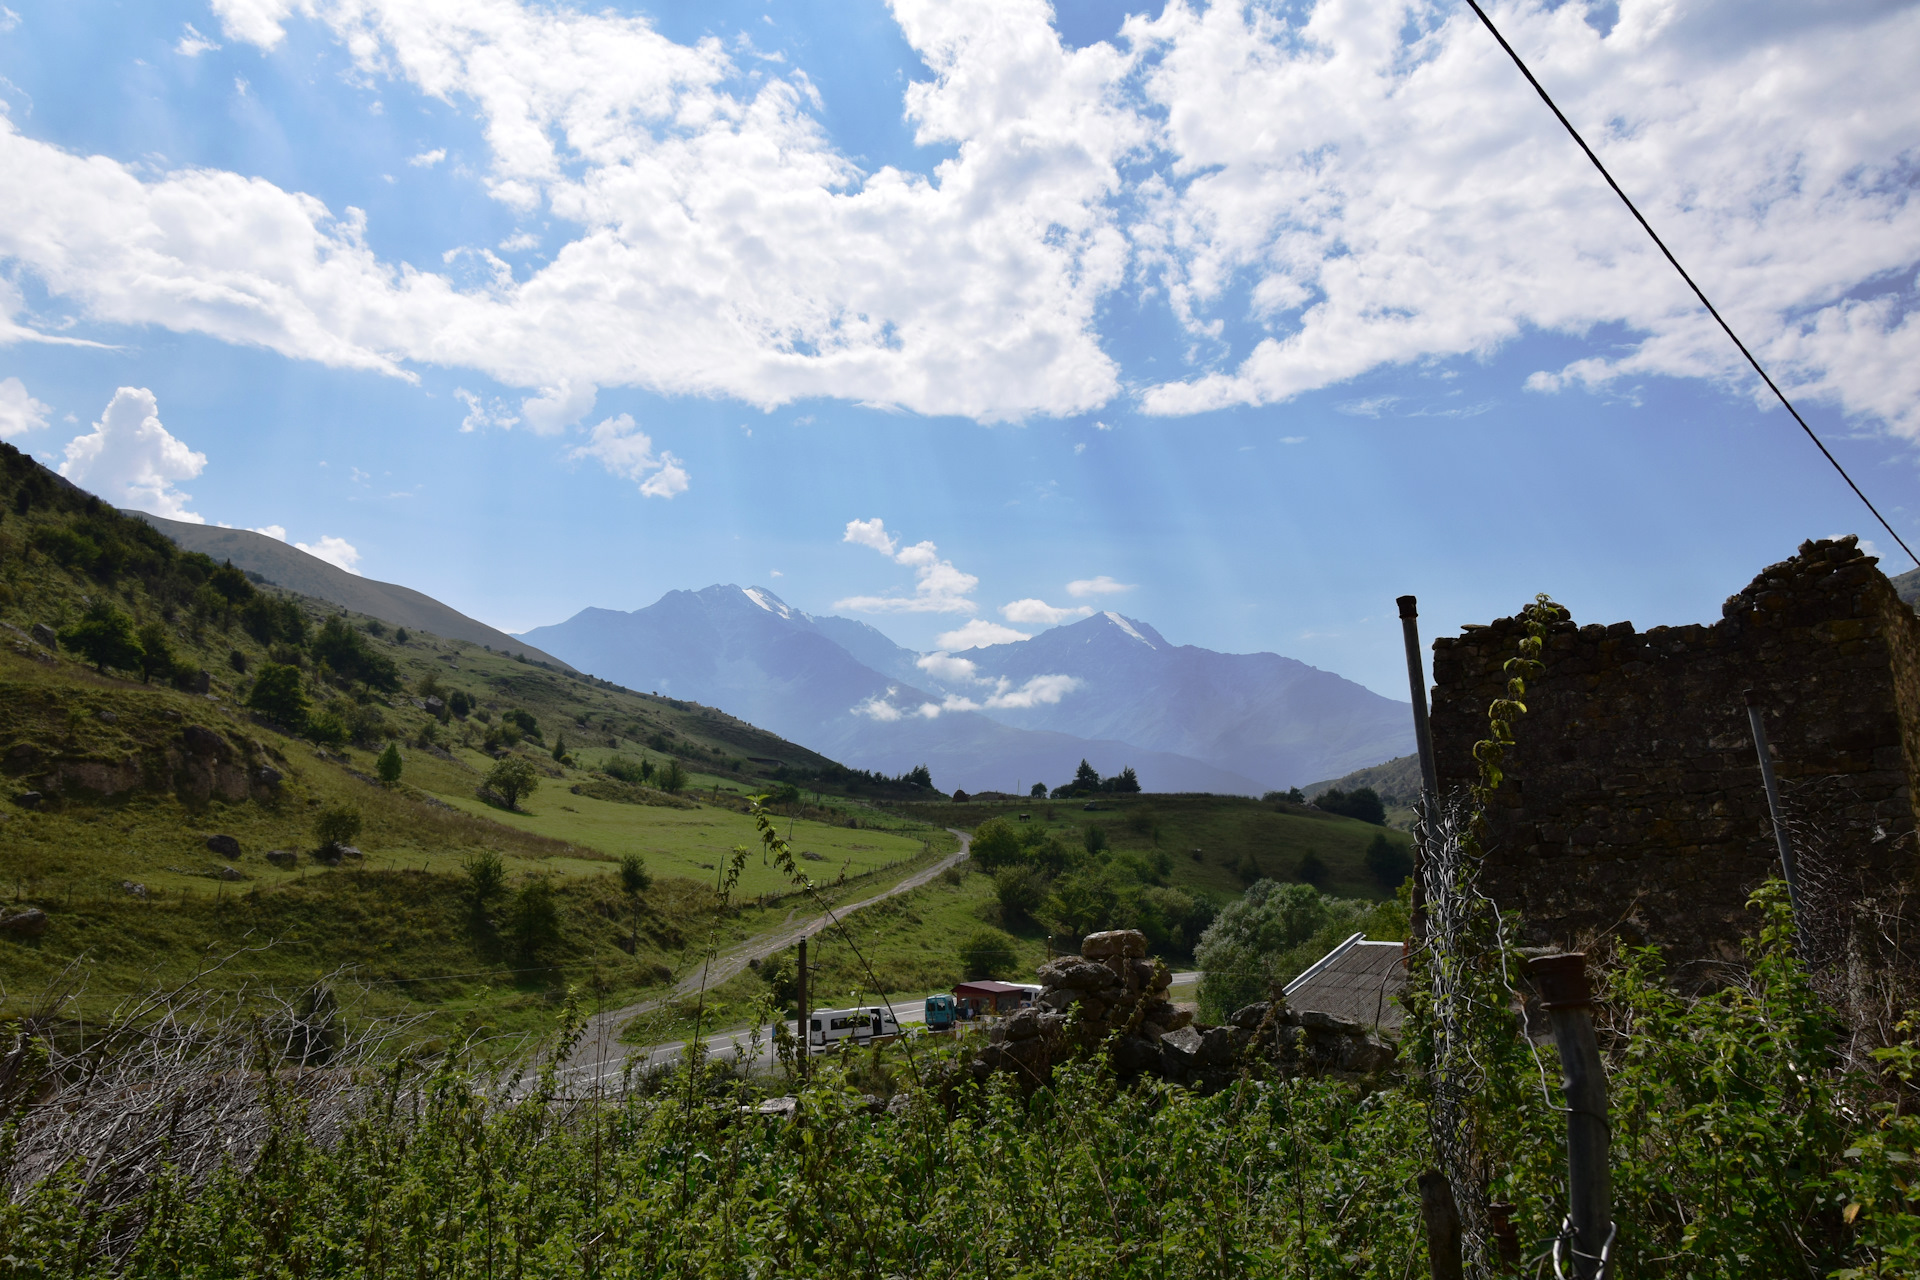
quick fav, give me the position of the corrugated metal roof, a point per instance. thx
(1358, 980)
(987, 986)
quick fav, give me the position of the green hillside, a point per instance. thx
(126, 671)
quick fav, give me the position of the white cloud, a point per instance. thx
(1040, 690)
(1406, 196)
(1080, 447)
(870, 533)
(1352, 186)
(557, 407)
(337, 552)
(978, 633)
(278, 532)
(520, 242)
(944, 666)
(131, 460)
(1081, 588)
(193, 44)
(428, 159)
(938, 586)
(1039, 611)
(878, 708)
(254, 21)
(482, 412)
(626, 451)
(8, 19)
(19, 411)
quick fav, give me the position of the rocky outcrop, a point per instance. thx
(1111, 997)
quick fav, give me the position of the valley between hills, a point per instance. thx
(163, 817)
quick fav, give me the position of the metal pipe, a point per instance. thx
(1568, 1000)
(1757, 719)
(1429, 772)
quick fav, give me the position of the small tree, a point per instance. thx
(278, 696)
(1387, 862)
(336, 826)
(1095, 839)
(987, 953)
(486, 878)
(560, 749)
(634, 881)
(920, 776)
(156, 653)
(672, 777)
(1018, 890)
(512, 779)
(1128, 783)
(535, 923)
(104, 636)
(231, 588)
(389, 764)
(1085, 778)
(1038, 791)
(1312, 870)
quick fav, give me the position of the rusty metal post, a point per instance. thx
(1443, 1226)
(1756, 718)
(1568, 999)
(1429, 771)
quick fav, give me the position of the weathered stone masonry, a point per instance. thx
(1633, 800)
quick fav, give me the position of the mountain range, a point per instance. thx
(1109, 689)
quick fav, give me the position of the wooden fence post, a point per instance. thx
(1568, 999)
(1443, 1226)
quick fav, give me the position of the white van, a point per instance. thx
(831, 1026)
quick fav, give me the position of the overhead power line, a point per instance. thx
(1713, 311)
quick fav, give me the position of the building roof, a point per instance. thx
(1357, 980)
(988, 987)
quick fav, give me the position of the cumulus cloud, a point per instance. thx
(944, 666)
(878, 708)
(1039, 691)
(870, 533)
(1033, 610)
(1405, 195)
(193, 44)
(978, 633)
(131, 460)
(938, 586)
(428, 159)
(19, 411)
(626, 451)
(1315, 190)
(337, 552)
(1081, 588)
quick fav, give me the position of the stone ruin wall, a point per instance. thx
(1633, 802)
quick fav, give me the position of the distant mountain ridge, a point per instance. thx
(1108, 688)
(290, 567)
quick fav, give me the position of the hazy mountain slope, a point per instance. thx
(792, 673)
(1908, 585)
(290, 567)
(1398, 778)
(1271, 718)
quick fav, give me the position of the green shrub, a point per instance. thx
(336, 825)
(389, 765)
(513, 779)
(988, 954)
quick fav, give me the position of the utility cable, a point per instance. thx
(1697, 291)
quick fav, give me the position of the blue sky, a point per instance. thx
(1239, 319)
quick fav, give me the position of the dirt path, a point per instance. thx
(600, 1052)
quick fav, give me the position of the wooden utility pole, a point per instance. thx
(1568, 1000)
(1429, 770)
(800, 986)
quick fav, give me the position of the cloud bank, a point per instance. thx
(1313, 191)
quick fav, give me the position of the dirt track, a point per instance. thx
(600, 1052)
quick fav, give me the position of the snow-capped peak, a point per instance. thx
(771, 603)
(1127, 627)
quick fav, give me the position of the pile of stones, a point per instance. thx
(1111, 995)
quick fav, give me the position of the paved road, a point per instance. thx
(910, 1012)
(600, 1055)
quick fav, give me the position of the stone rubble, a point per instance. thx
(1111, 995)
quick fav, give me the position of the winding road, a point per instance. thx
(600, 1055)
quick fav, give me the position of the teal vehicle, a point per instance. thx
(942, 1013)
